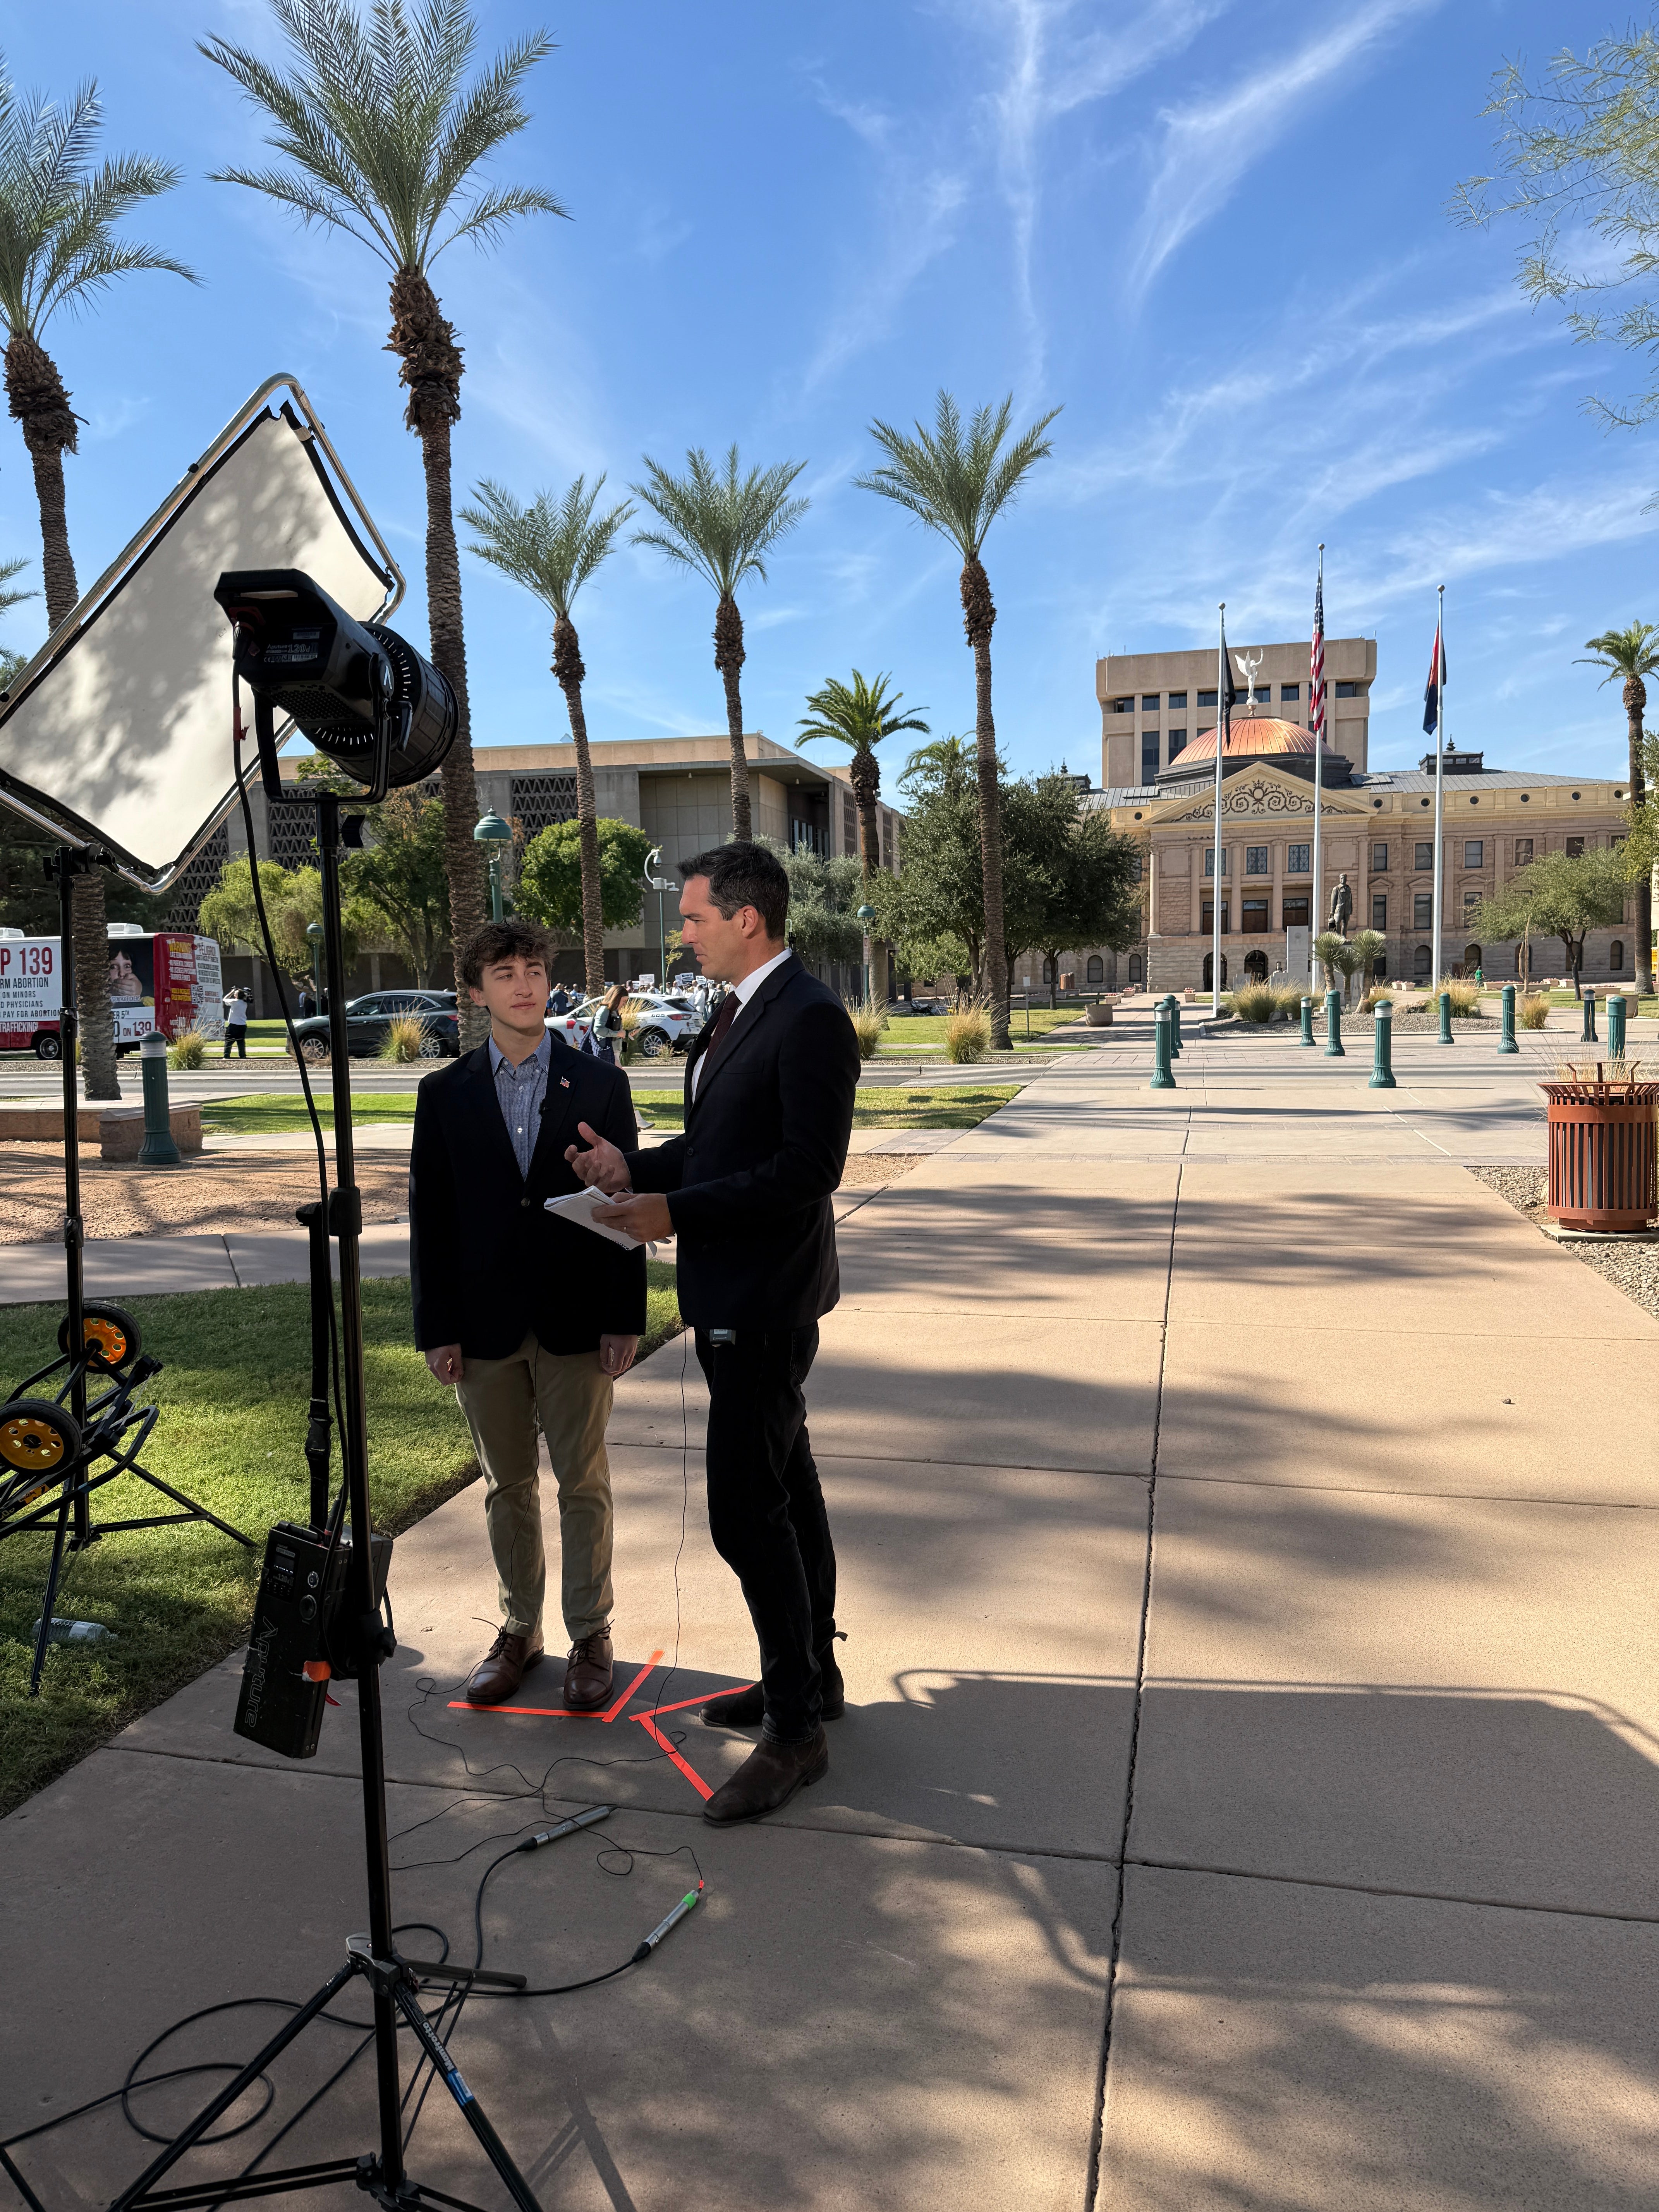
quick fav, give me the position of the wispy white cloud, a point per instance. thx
(1211, 143)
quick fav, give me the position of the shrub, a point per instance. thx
(968, 1032)
(1534, 1010)
(1465, 996)
(404, 1037)
(1253, 1003)
(1377, 991)
(868, 1022)
(188, 1049)
(1287, 999)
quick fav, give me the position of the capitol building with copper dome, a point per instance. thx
(1376, 828)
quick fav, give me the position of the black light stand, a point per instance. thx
(107, 1432)
(394, 1981)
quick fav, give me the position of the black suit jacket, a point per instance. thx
(487, 1263)
(749, 1182)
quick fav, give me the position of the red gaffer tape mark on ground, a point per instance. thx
(647, 1720)
(561, 1712)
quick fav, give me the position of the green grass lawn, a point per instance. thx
(233, 1395)
(274, 1112)
(959, 1107)
(929, 1028)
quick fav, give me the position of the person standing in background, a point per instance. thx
(605, 1031)
(236, 1025)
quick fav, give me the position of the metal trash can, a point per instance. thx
(1604, 1153)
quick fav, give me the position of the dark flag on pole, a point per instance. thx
(1316, 670)
(1431, 690)
(1228, 698)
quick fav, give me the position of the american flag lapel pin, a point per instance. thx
(564, 1083)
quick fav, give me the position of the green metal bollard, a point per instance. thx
(1307, 1021)
(1175, 1026)
(1445, 1036)
(1382, 1057)
(1590, 1036)
(1333, 1026)
(1616, 1007)
(1506, 1034)
(1163, 1080)
(158, 1149)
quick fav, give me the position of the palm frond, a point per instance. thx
(552, 546)
(1622, 653)
(957, 484)
(858, 715)
(717, 520)
(492, 211)
(8, 570)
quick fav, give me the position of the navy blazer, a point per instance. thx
(750, 1183)
(487, 1263)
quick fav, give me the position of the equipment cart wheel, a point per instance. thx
(112, 1337)
(39, 1440)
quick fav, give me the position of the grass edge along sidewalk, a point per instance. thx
(234, 1389)
(955, 1106)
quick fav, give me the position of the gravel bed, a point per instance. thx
(207, 1193)
(1632, 1268)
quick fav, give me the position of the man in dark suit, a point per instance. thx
(770, 1089)
(532, 1318)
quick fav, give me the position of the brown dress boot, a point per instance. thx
(502, 1667)
(588, 1674)
(742, 1708)
(768, 1779)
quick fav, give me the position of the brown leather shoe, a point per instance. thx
(588, 1674)
(747, 1708)
(501, 1669)
(768, 1779)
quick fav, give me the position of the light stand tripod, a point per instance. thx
(46, 1444)
(393, 1981)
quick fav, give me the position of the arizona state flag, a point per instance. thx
(1431, 690)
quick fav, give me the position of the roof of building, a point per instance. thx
(1398, 779)
(1252, 737)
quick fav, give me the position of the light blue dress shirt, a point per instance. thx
(521, 1091)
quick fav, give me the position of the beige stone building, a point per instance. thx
(1154, 705)
(1377, 829)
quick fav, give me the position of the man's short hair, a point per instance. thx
(744, 875)
(496, 941)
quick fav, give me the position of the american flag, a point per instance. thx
(1316, 669)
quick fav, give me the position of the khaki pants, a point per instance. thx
(569, 1396)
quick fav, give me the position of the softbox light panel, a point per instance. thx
(120, 727)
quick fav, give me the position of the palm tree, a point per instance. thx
(552, 547)
(945, 757)
(860, 715)
(1633, 653)
(58, 249)
(381, 139)
(721, 526)
(957, 484)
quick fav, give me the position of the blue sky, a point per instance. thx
(1217, 233)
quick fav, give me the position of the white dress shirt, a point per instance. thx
(743, 992)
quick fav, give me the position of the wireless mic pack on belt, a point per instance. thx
(300, 1640)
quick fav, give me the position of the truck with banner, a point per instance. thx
(168, 981)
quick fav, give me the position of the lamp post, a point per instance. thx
(315, 935)
(866, 916)
(662, 885)
(492, 833)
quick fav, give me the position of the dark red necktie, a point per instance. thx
(730, 1007)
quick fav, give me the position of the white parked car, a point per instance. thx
(668, 1021)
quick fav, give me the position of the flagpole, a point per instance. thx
(1319, 781)
(1439, 781)
(1221, 688)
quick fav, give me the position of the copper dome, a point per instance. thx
(1252, 737)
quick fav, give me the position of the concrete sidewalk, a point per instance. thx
(1247, 1793)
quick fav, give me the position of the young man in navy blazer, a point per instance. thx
(770, 1092)
(530, 1317)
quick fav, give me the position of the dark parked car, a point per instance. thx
(368, 1019)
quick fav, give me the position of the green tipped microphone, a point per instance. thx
(662, 1926)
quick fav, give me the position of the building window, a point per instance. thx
(1422, 960)
(1299, 860)
(1472, 960)
(1289, 691)
(1178, 699)
(849, 823)
(1522, 851)
(1253, 915)
(1255, 860)
(1123, 706)
(1379, 913)
(1096, 972)
(1207, 912)
(1134, 969)
(1296, 913)
(1349, 691)
(1380, 967)
(1575, 848)
(1422, 911)
(1471, 906)
(1379, 859)
(1207, 699)
(1149, 756)
(1149, 702)
(1474, 852)
(1177, 740)
(1209, 859)
(1424, 860)
(1616, 955)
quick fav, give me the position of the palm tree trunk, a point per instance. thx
(1636, 699)
(39, 400)
(569, 669)
(729, 658)
(978, 614)
(865, 778)
(431, 368)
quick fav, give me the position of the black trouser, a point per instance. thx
(236, 1034)
(766, 1513)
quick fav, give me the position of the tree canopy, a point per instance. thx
(401, 878)
(550, 886)
(1561, 895)
(292, 897)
